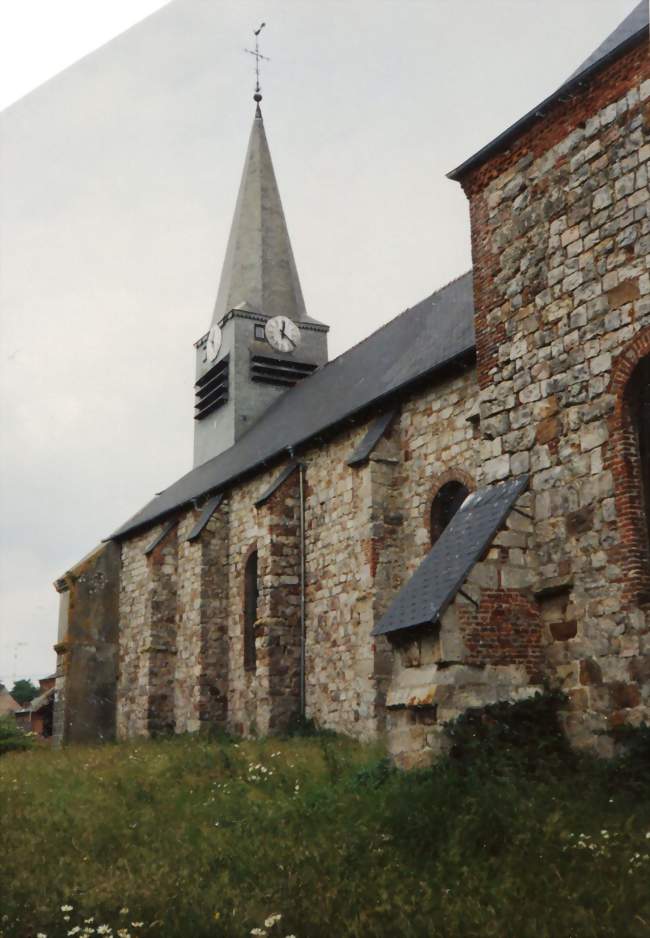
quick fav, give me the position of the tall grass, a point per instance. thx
(211, 838)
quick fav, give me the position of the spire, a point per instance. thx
(259, 271)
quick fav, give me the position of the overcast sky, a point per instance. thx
(119, 178)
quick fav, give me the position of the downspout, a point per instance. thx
(303, 587)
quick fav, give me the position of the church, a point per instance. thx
(454, 512)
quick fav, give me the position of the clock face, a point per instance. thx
(213, 344)
(282, 333)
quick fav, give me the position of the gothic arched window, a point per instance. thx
(250, 611)
(448, 500)
(638, 398)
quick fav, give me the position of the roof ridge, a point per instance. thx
(626, 35)
(390, 322)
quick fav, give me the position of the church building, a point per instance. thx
(454, 512)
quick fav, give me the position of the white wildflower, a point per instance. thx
(124, 911)
(103, 929)
(41, 934)
(73, 931)
(89, 921)
(137, 924)
(258, 931)
(272, 919)
(66, 908)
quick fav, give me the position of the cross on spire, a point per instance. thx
(258, 55)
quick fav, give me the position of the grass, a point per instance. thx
(196, 839)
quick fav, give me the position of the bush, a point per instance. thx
(631, 766)
(526, 733)
(12, 739)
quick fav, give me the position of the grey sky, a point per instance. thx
(119, 179)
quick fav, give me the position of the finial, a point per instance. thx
(257, 97)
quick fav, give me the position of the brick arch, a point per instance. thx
(632, 552)
(454, 474)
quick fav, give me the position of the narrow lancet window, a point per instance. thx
(250, 611)
(639, 401)
(448, 500)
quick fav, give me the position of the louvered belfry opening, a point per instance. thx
(282, 372)
(250, 611)
(212, 389)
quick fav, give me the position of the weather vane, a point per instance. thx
(258, 55)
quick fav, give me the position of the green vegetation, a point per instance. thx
(24, 691)
(513, 836)
(11, 738)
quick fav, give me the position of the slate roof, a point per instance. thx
(375, 432)
(259, 271)
(424, 598)
(423, 339)
(626, 35)
(42, 700)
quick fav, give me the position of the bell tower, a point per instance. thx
(261, 341)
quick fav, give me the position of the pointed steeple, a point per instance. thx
(248, 360)
(259, 272)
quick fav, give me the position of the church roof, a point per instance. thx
(630, 31)
(436, 332)
(435, 583)
(259, 272)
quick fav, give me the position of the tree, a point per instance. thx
(23, 691)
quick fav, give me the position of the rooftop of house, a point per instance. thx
(7, 702)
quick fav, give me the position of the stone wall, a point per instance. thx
(561, 245)
(366, 527)
(202, 653)
(133, 678)
(488, 646)
(87, 648)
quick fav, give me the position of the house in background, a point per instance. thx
(7, 703)
(37, 716)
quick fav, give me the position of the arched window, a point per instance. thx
(448, 500)
(638, 398)
(250, 611)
